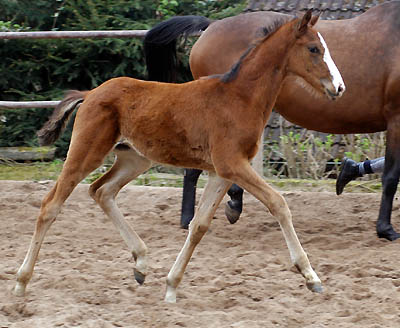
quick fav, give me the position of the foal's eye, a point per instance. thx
(313, 50)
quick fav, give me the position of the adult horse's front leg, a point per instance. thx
(212, 196)
(390, 180)
(234, 207)
(189, 196)
(244, 175)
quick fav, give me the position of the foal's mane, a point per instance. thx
(265, 32)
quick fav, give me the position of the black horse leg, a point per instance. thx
(189, 196)
(234, 207)
(384, 227)
(390, 180)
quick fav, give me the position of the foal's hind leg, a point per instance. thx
(128, 165)
(244, 175)
(70, 176)
(83, 157)
(212, 196)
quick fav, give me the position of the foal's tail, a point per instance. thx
(160, 45)
(53, 128)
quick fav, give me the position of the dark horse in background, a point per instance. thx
(366, 50)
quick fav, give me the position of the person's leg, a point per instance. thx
(350, 170)
(372, 166)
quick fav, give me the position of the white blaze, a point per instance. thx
(336, 77)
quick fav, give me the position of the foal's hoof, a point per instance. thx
(170, 296)
(19, 289)
(232, 214)
(315, 287)
(140, 277)
(387, 233)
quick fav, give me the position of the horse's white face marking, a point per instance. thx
(336, 77)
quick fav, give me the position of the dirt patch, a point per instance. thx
(239, 276)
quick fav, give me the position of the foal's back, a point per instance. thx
(175, 124)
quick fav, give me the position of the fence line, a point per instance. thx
(28, 104)
(73, 34)
(63, 35)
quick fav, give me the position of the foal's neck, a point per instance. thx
(264, 69)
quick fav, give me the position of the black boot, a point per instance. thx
(348, 171)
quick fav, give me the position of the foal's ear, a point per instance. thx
(302, 26)
(314, 19)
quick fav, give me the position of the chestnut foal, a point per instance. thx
(212, 124)
(357, 44)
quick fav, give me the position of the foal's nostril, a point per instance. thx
(340, 89)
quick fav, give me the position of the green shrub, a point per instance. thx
(39, 69)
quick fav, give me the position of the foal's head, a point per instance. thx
(311, 61)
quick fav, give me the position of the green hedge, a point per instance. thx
(44, 69)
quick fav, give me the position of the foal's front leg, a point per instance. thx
(212, 196)
(244, 175)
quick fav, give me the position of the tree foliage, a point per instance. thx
(44, 69)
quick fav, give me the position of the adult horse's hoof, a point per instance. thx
(140, 277)
(231, 213)
(387, 233)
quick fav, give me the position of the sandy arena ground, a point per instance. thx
(239, 276)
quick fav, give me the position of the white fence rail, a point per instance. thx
(28, 104)
(73, 34)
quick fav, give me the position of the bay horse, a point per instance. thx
(367, 52)
(212, 124)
